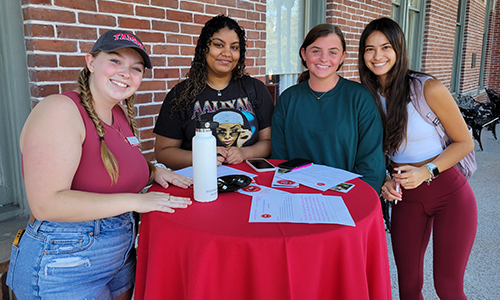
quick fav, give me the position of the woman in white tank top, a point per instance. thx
(433, 194)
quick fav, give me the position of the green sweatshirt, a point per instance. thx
(343, 129)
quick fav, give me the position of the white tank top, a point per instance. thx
(422, 140)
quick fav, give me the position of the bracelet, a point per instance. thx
(431, 175)
(160, 165)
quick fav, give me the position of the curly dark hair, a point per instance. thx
(197, 75)
(399, 79)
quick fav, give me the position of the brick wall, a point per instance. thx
(60, 32)
(492, 78)
(439, 39)
(352, 17)
(473, 44)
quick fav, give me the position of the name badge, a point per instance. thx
(133, 141)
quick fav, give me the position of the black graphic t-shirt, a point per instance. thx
(233, 111)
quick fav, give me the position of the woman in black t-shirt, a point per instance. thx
(217, 88)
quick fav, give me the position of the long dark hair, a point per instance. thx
(316, 32)
(197, 74)
(399, 79)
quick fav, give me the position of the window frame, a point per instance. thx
(400, 11)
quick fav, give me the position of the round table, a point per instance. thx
(210, 251)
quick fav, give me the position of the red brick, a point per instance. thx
(246, 5)
(148, 74)
(184, 71)
(167, 73)
(137, 1)
(247, 24)
(165, 26)
(76, 4)
(143, 98)
(215, 10)
(76, 32)
(166, 49)
(236, 13)
(39, 30)
(147, 134)
(71, 61)
(50, 15)
(145, 121)
(152, 85)
(178, 39)
(42, 60)
(192, 7)
(188, 50)
(150, 156)
(42, 91)
(56, 75)
(159, 96)
(231, 3)
(201, 19)
(148, 36)
(150, 12)
(85, 47)
(166, 3)
(54, 45)
(116, 7)
(97, 19)
(179, 61)
(133, 23)
(66, 87)
(191, 29)
(158, 61)
(179, 16)
(147, 110)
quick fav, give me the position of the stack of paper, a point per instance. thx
(300, 208)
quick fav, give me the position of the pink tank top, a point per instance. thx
(91, 175)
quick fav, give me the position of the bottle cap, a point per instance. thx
(203, 125)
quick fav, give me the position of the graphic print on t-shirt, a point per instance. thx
(235, 118)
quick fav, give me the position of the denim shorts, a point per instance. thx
(85, 260)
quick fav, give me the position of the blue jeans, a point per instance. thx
(85, 260)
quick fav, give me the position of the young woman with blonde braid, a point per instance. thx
(83, 171)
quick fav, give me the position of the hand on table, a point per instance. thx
(157, 201)
(165, 177)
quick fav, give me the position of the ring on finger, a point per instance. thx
(406, 180)
(168, 198)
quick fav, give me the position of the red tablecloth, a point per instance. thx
(210, 251)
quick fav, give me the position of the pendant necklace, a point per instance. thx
(119, 130)
(316, 96)
(218, 90)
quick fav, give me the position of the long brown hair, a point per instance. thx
(399, 80)
(107, 157)
(316, 32)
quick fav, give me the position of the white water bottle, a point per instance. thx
(204, 163)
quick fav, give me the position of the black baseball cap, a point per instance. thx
(116, 39)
